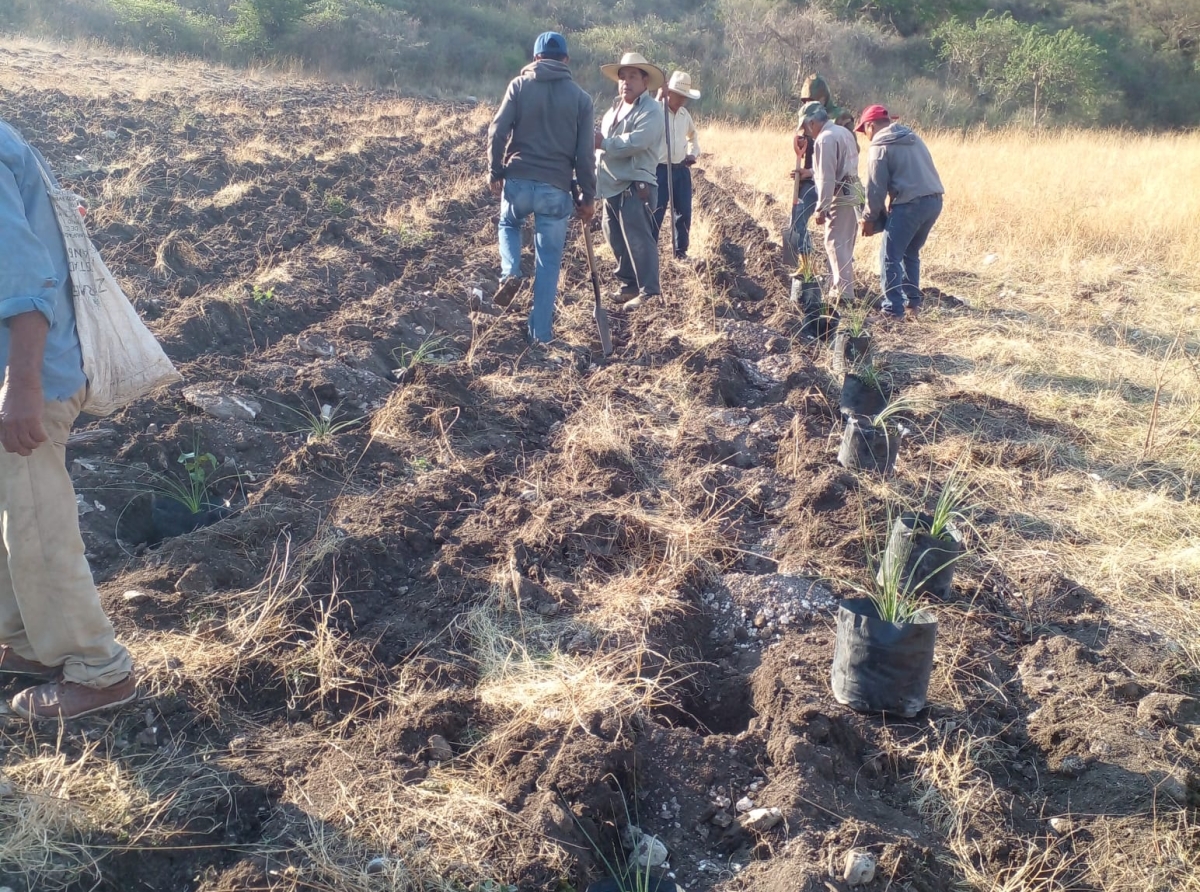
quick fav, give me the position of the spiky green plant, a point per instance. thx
(630, 875)
(431, 351)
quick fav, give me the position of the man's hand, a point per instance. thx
(586, 211)
(805, 174)
(599, 137)
(689, 160)
(497, 187)
(868, 227)
(819, 218)
(800, 144)
(21, 408)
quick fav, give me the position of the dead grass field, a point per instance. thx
(443, 646)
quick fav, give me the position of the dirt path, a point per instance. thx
(513, 597)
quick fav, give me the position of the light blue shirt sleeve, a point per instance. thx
(27, 279)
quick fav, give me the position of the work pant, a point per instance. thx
(551, 208)
(904, 236)
(681, 184)
(629, 227)
(841, 232)
(49, 608)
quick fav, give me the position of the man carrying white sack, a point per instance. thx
(52, 626)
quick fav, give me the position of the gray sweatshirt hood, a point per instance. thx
(547, 70)
(894, 135)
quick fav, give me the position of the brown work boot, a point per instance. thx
(67, 700)
(12, 663)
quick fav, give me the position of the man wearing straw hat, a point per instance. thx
(685, 149)
(628, 143)
(839, 192)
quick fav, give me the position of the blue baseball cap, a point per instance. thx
(550, 42)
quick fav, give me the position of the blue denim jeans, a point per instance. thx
(551, 209)
(904, 236)
(681, 186)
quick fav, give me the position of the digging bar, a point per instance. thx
(669, 218)
(598, 311)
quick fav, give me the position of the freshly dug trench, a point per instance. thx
(881, 666)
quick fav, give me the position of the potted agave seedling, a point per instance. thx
(177, 506)
(872, 442)
(864, 391)
(852, 343)
(883, 653)
(924, 548)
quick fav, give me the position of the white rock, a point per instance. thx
(650, 851)
(219, 404)
(990, 259)
(134, 595)
(1061, 826)
(744, 804)
(859, 868)
(760, 820)
(377, 866)
(83, 505)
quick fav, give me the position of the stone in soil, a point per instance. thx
(440, 749)
(859, 868)
(1169, 709)
(223, 404)
(760, 820)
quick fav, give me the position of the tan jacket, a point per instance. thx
(835, 169)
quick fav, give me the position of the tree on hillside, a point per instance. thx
(263, 21)
(1012, 63)
(1173, 25)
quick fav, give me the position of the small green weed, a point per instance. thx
(336, 205)
(432, 351)
(262, 295)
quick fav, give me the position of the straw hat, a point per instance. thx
(657, 77)
(681, 83)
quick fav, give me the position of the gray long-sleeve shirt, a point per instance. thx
(543, 130)
(633, 138)
(899, 165)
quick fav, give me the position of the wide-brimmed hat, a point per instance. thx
(681, 83)
(656, 76)
(871, 113)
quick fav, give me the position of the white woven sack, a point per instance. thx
(122, 359)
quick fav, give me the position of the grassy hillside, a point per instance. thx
(750, 55)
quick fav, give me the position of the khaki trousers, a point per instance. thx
(841, 232)
(49, 608)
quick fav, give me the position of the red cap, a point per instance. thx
(871, 113)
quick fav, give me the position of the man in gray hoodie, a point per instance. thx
(539, 141)
(899, 170)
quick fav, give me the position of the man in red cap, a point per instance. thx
(900, 172)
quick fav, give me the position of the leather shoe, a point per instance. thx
(12, 663)
(66, 700)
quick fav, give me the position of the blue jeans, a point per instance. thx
(551, 209)
(904, 236)
(681, 185)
